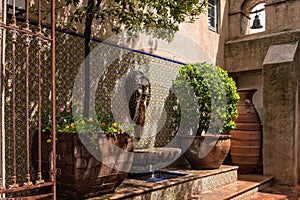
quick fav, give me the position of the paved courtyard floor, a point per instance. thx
(292, 192)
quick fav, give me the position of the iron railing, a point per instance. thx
(10, 185)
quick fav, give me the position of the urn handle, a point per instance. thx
(248, 103)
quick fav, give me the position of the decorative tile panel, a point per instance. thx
(69, 61)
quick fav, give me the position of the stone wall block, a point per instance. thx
(280, 143)
(280, 10)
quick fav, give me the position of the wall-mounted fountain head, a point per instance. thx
(138, 93)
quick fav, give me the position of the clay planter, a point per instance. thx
(207, 152)
(81, 175)
(246, 138)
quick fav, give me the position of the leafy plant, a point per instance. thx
(127, 14)
(215, 97)
(65, 123)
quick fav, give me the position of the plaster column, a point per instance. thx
(281, 69)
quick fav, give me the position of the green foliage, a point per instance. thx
(214, 92)
(67, 123)
(107, 122)
(130, 14)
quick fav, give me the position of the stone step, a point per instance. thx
(243, 188)
(35, 197)
(182, 187)
(267, 196)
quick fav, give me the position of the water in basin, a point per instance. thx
(155, 176)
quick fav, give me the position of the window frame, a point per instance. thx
(214, 8)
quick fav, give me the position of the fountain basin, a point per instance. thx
(152, 159)
(155, 176)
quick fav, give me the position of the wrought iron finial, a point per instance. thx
(14, 183)
(28, 182)
(39, 179)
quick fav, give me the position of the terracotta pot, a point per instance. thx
(246, 138)
(80, 174)
(207, 152)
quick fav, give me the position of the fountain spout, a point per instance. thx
(138, 92)
(152, 171)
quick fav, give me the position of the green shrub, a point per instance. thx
(214, 101)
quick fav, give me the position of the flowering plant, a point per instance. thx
(66, 123)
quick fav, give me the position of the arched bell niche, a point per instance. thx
(248, 10)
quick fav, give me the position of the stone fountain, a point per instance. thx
(151, 159)
(146, 157)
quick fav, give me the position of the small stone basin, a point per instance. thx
(151, 159)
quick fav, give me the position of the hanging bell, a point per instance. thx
(256, 23)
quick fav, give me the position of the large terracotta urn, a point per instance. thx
(206, 152)
(246, 138)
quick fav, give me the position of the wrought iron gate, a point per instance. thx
(21, 101)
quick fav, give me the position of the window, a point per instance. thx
(213, 15)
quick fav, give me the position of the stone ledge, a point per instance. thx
(177, 188)
(249, 52)
(281, 53)
(246, 186)
(262, 35)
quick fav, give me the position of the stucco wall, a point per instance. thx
(248, 53)
(281, 101)
(196, 40)
(282, 15)
(245, 53)
(244, 58)
(277, 98)
(212, 43)
(252, 79)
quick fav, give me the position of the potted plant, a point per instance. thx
(208, 113)
(82, 147)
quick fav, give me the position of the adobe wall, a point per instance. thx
(248, 53)
(244, 60)
(212, 43)
(282, 15)
(244, 54)
(277, 98)
(239, 11)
